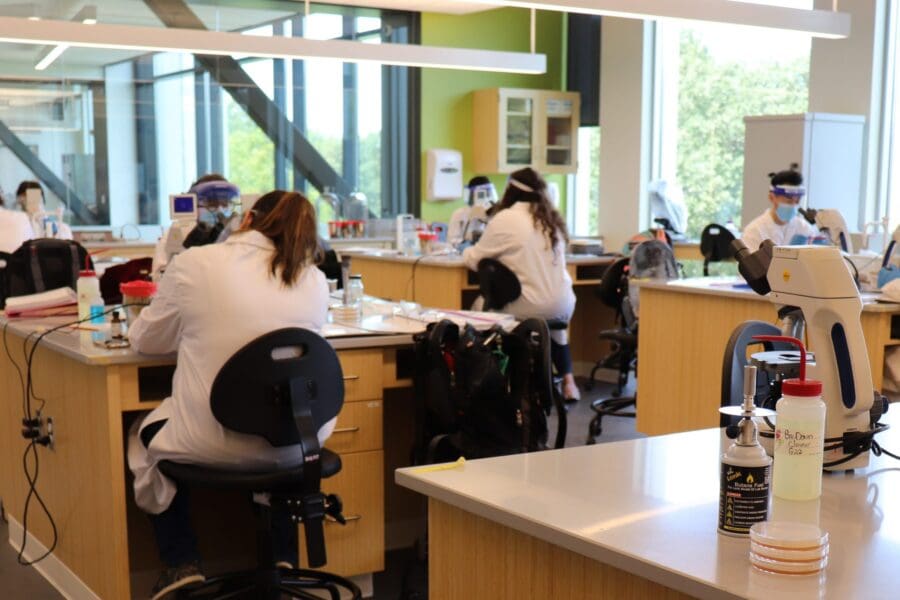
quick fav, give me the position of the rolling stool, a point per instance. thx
(282, 386)
(625, 344)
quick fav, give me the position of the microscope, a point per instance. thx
(814, 283)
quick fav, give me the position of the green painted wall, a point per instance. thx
(446, 94)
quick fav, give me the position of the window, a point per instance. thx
(891, 164)
(711, 77)
(583, 220)
(120, 131)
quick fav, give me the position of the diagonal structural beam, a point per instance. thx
(265, 113)
(56, 185)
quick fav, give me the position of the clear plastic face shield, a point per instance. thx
(216, 201)
(787, 200)
(483, 195)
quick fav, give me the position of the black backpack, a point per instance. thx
(482, 393)
(40, 265)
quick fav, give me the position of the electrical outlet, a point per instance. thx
(48, 430)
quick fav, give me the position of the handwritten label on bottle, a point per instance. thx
(797, 441)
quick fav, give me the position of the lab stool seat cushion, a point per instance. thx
(284, 480)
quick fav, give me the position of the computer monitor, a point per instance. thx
(183, 206)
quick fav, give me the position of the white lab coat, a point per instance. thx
(764, 227)
(15, 229)
(512, 238)
(212, 301)
(457, 225)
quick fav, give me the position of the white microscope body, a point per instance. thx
(817, 280)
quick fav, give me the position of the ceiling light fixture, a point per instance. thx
(161, 39)
(86, 16)
(817, 23)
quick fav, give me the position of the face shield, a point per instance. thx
(216, 200)
(483, 195)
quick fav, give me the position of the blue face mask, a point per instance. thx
(786, 212)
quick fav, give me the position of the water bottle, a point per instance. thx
(355, 289)
(88, 290)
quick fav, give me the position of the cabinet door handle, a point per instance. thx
(348, 518)
(345, 430)
(351, 377)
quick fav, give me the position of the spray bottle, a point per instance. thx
(746, 468)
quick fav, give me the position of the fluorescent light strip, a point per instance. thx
(161, 39)
(50, 56)
(817, 23)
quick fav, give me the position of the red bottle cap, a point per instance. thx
(138, 289)
(803, 387)
(87, 273)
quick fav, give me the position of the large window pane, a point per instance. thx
(714, 76)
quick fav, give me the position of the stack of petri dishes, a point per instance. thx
(788, 548)
(346, 313)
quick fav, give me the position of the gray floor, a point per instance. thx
(17, 582)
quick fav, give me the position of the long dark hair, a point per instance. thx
(545, 216)
(289, 220)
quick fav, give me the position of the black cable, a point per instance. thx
(413, 277)
(27, 387)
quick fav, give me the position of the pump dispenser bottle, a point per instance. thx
(799, 433)
(746, 468)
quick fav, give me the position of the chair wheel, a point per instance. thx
(594, 431)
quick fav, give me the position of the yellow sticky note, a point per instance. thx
(442, 467)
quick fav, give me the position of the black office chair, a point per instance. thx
(612, 290)
(282, 386)
(650, 260)
(715, 245)
(497, 284)
(735, 359)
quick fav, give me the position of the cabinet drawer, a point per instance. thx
(362, 374)
(358, 546)
(358, 428)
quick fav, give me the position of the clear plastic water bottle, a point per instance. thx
(355, 289)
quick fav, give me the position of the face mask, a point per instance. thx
(786, 212)
(207, 217)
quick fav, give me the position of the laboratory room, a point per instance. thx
(454, 300)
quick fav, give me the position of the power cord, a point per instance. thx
(31, 432)
(413, 276)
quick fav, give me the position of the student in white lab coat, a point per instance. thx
(481, 195)
(37, 212)
(781, 222)
(212, 301)
(15, 228)
(216, 198)
(529, 237)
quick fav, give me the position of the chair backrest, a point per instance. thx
(498, 285)
(735, 359)
(715, 245)
(613, 286)
(282, 386)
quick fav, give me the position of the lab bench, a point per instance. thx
(637, 519)
(105, 546)
(684, 328)
(444, 281)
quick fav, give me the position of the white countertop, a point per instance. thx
(650, 507)
(730, 287)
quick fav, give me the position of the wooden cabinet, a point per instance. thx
(516, 128)
(357, 547)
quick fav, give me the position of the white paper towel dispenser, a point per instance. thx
(444, 175)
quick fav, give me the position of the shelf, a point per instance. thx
(510, 113)
(566, 147)
(519, 146)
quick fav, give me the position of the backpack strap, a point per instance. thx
(76, 263)
(34, 267)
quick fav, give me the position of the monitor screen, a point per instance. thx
(183, 207)
(183, 204)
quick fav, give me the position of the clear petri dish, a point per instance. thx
(788, 535)
(780, 567)
(789, 554)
